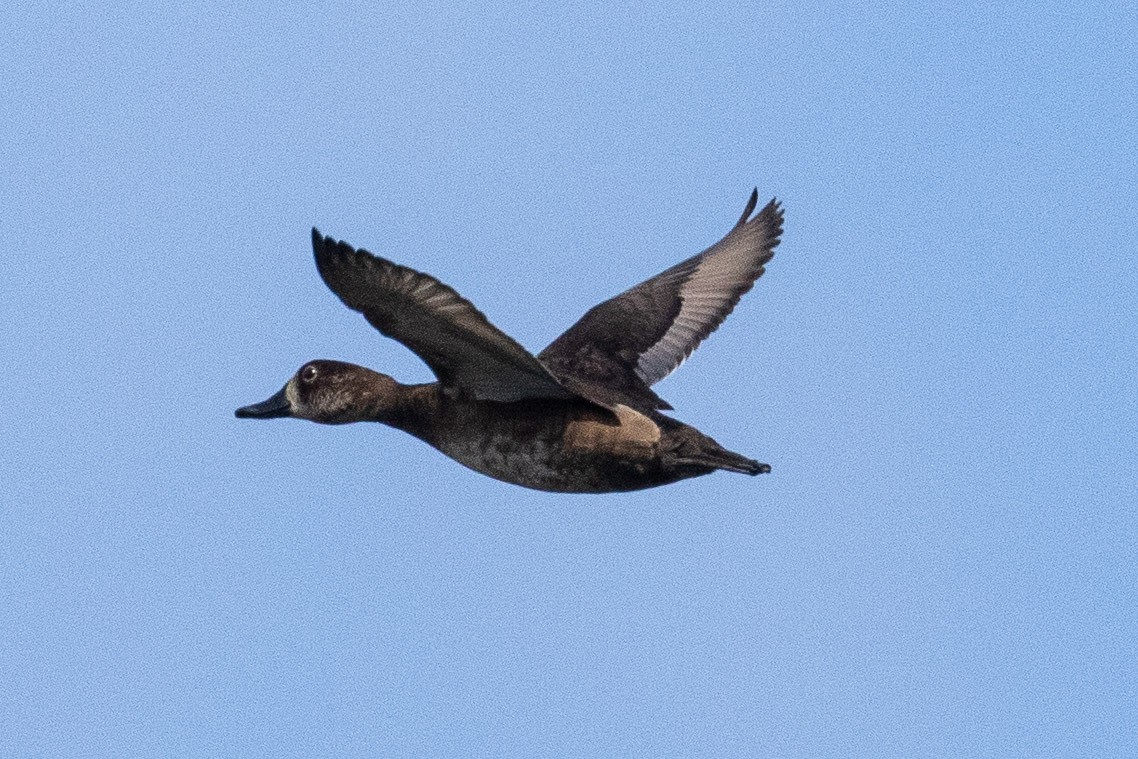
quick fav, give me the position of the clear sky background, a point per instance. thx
(940, 365)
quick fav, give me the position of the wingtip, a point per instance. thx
(750, 208)
(774, 211)
(322, 248)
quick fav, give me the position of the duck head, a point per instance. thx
(329, 392)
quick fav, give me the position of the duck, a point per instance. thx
(581, 415)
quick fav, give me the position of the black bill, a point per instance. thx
(275, 406)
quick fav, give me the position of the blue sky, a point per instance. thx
(940, 365)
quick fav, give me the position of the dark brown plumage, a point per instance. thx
(579, 417)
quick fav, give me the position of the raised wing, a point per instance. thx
(463, 349)
(634, 340)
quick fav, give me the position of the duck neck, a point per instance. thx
(410, 408)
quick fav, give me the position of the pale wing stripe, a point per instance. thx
(707, 297)
(721, 276)
(681, 339)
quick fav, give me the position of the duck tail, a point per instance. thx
(734, 462)
(728, 461)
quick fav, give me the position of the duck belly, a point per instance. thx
(566, 451)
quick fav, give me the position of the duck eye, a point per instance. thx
(308, 374)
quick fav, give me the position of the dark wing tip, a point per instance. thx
(773, 213)
(340, 266)
(751, 203)
(331, 252)
(321, 248)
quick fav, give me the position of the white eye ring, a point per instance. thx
(308, 374)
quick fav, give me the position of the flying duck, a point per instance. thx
(581, 416)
